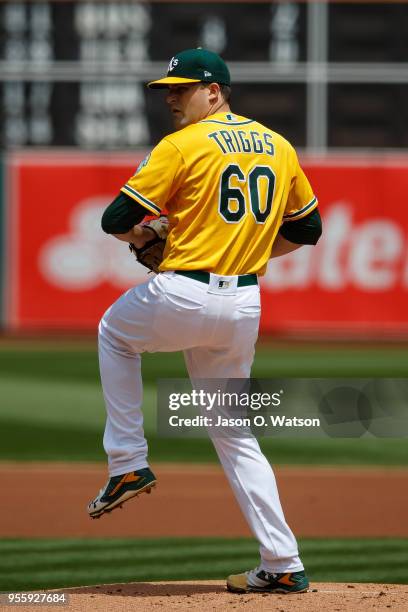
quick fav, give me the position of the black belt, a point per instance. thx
(204, 277)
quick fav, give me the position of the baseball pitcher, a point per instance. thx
(228, 194)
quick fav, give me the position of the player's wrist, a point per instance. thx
(142, 234)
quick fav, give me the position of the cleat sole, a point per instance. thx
(270, 591)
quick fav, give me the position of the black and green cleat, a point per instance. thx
(260, 581)
(120, 489)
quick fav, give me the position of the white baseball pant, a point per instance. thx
(217, 333)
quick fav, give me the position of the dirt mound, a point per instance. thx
(212, 595)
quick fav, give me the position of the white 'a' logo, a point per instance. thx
(172, 64)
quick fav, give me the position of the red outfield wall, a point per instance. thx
(62, 271)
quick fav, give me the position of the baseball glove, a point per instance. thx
(151, 254)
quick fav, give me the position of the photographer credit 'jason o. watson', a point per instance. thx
(256, 420)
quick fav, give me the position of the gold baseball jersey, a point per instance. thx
(227, 184)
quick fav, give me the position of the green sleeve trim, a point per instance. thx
(122, 214)
(303, 231)
(138, 197)
(302, 211)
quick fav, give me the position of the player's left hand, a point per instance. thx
(159, 226)
(149, 252)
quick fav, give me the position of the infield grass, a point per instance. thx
(77, 362)
(51, 405)
(41, 564)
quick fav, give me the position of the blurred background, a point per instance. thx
(75, 121)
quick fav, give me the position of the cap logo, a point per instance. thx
(172, 64)
(207, 74)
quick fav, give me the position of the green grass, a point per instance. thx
(33, 442)
(51, 405)
(41, 564)
(65, 362)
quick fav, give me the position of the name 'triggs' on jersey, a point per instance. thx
(227, 183)
(237, 141)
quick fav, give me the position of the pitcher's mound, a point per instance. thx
(212, 595)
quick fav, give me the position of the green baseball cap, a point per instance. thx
(194, 66)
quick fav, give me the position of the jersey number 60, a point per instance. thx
(230, 194)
